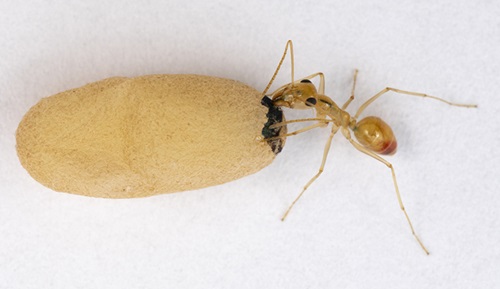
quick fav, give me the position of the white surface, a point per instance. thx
(347, 231)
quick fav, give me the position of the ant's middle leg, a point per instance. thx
(320, 171)
(351, 98)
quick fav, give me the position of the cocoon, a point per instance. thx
(135, 137)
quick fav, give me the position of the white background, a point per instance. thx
(347, 231)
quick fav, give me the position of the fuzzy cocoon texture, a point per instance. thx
(136, 137)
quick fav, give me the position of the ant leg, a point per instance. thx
(387, 89)
(325, 155)
(289, 45)
(283, 123)
(362, 149)
(351, 98)
(321, 89)
(307, 128)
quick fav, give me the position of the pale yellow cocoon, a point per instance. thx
(136, 137)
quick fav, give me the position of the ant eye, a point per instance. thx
(311, 101)
(305, 81)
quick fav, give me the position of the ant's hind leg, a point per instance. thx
(362, 149)
(387, 89)
(320, 171)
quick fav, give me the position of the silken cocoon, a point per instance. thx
(136, 137)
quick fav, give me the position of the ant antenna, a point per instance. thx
(289, 45)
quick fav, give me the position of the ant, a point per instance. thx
(374, 136)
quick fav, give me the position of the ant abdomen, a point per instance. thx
(376, 135)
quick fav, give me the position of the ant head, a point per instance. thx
(376, 135)
(301, 95)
